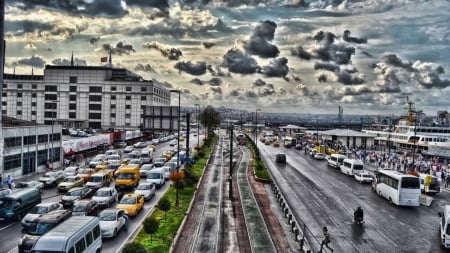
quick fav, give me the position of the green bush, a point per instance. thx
(134, 247)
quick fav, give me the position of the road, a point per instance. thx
(10, 233)
(322, 196)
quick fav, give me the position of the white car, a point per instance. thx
(52, 178)
(147, 190)
(70, 171)
(145, 169)
(319, 156)
(112, 221)
(128, 149)
(95, 161)
(363, 177)
(141, 144)
(39, 209)
(166, 170)
(28, 184)
(106, 196)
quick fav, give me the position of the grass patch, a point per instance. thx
(163, 238)
(259, 168)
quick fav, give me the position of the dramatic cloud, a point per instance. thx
(195, 69)
(238, 62)
(215, 81)
(170, 53)
(427, 74)
(146, 68)
(258, 82)
(66, 62)
(119, 49)
(94, 40)
(276, 68)
(259, 43)
(300, 52)
(348, 38)
(35, 61)
(208, 45)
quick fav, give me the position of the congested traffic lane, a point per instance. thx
(323, 196)
(10, 233)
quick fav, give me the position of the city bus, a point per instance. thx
(400, 189)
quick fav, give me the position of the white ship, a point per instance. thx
(410, 134)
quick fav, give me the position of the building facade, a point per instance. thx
(82, 97)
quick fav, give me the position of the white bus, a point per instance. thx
(289, 142)
(398, 188)
(336, 160)
(352, 166)
(78, 234)
(433, 188)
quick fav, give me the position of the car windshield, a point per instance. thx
(154, 176)
(70, 169)
(39, 228)
(106, 216)
(5, 203)
(38, 209)
(128, 200)
(70, 179)
(95, 179)
(125, 176)
(79, 207)
(100, 193)
(143, 187)
(84, 172)
(74, 193)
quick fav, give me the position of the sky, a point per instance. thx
(289, 56)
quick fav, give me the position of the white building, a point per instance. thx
(82, 97)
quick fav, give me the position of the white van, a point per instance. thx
(444, 227)
(352, 166)
(76, 234)
(146, 156)
(156, 176)
(336, 160)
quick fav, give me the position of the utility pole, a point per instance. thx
(188, 124)
(230, 178)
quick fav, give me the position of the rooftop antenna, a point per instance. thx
(71, 60)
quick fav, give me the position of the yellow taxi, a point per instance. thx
(85, 173)
(276, 144)
(101, 168)
(131, 203)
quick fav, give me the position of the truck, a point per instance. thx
(128, 176)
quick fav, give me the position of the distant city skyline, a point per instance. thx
(293, 57)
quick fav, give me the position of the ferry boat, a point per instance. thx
(410, 134)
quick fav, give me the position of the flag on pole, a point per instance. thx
(104, 59)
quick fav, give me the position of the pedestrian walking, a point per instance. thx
(1, 181)
(326, 240)
(447, 181)
(10, 182)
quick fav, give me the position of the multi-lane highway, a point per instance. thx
(10, 233)
(322, 196)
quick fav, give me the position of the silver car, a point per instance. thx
(147, 190)
(38, 210)
(106, 196)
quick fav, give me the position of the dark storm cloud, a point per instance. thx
(238, 62)
(94, 40)
(208, 45)
(170, 53)
(396, 61)
(67, 62)
(111, 8)
(234, 93)
(346, 77)
(349, 38)
(160, 4)
(258, 83)
(427, 74)
(215, 81)
(325, 37)
(300, 52)
(35, 61)
(197, 81)
(276, 68)
(146, 68)
(216, 90)
(119, 49)
(259, 43)
(250, 94)
(266, 91)
(18, 28)
(331, 66)
(189, 67)
(340, 53)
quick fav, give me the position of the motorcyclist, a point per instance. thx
(359, 215)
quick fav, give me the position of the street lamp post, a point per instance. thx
(52, 154)
(178, 139)
(198, 125)
(256, 127)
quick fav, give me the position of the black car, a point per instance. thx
(76, 193)
(40, 226)
(85, 207)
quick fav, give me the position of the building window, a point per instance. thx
(19, 86)
(42, 138)
(19, 94)
(72, 115)
(127, 106)
(19, 103)
(113, 88)
(50, 115)
(95, 98)
(33, 112)
(143, 98)
(56, 154)
(128, 98)
(72, 106)
(34, 86)
(5, 86)
(113, 97)
(56, 137)
(4, 103)
(51, 88)
(73, 79)
(51, 97)
(73, 88)
(127, 116)
(42, 156)
(97, 89)
(128, 88)
(4, 94)
(19, 112)
(33, 103)
(95, 116)
(33, 95)
(95, 107)
(12, 162)
(29, 140)
(12, 142)
(51, 106)
(113, 115)
(4, 112)
(144, 89)
(113, 106)
(73, 97)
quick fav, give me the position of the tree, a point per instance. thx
(134, 247)
(164, 205)
(151, 225)
(177, 177)
(210, 118)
